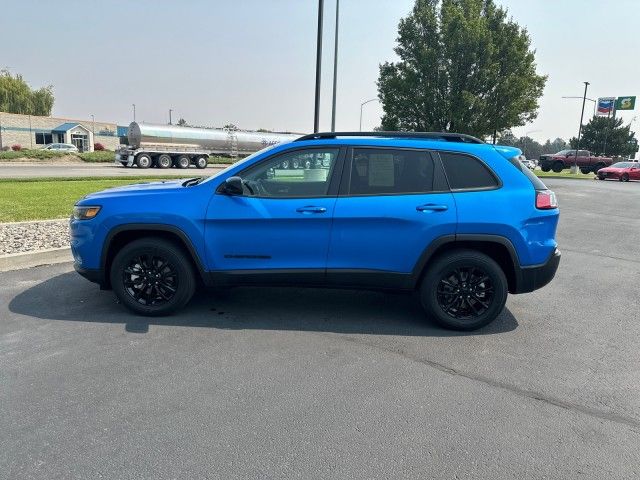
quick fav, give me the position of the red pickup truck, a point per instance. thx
(566, 158)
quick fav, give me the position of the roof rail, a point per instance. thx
(446, 136)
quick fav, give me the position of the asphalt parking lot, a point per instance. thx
(277, 383)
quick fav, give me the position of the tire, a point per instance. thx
(145, 255)
(624, 177)
(601, 177)
(545, 169)
(163, 161)
(584, 170)
(285, 165)
(124, 164)
(183, 161)
(557, 167)
(201, 162)
(598, 167)
(479, 308)
(143, 161)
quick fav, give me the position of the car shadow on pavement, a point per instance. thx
(71, 298)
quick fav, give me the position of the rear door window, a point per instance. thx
(465, 172)
(392, 172)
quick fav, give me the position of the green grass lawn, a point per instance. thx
(564, 174)
(38, 199)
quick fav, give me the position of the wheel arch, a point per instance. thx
(496, 247)
(124, 234)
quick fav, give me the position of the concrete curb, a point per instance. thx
(18, 261)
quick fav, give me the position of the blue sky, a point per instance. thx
(252, 62)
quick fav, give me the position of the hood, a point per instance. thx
(163, 186)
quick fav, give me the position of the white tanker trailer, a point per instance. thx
(164, 146)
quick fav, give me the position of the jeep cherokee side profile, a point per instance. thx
(458, 221)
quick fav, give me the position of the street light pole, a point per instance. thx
(134, 111)
(575, 158)
(316, 116)
(362, 105)
(335, 69)
(170, 116)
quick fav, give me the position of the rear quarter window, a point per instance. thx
(465, 172)
(533, 178)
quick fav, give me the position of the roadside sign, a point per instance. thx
(605, 105)
(626, 103)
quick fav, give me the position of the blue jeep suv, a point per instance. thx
(458, 221)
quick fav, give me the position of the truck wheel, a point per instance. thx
(557, 167)
(152, 277)
(183, 161)
(598, 167)
(545, 169)
(624, 177)
(463, 290)
(143, 160)
(584, 170)
(163, 161)
(201, 162)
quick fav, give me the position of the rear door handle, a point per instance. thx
(431, 207)
(311, 209)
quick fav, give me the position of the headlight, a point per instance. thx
(85, 212)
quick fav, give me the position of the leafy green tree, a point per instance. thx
(17, 97)
(607, 136)
(464, 67)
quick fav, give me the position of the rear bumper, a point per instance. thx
(535, 277)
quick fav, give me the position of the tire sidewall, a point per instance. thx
(201, 162)
(166, 164)
(449, 262)
(147, 161)
(186, 278)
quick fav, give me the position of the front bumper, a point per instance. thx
(92, 275)
(537, 276)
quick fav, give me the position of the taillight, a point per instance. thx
(546, 200)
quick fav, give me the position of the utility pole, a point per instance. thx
(574, 168)
(335, 69)
(316, 117)
(170, 116)
(134, 111)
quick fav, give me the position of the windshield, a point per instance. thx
(564, 152)
(240, 162)
(621, 165)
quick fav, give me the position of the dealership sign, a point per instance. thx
(605, 105)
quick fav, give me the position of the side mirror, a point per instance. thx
(233, 186)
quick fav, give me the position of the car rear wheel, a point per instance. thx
(624, 177)
(163, 161)
(601, 176)
(152, 277)
(143, 161)
(463, 290)
(557, 167)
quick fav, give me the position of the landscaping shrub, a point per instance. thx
(16, 148)
(98, 147)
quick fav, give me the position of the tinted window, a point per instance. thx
(465, 172)
(303, 173)
(533, 178)
(387, 171)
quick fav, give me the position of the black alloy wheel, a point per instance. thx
(150, 279)
(465, 293)
(153, 276)
(463, 290)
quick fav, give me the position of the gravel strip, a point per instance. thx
(33, 236)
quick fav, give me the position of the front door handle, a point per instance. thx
(311, 209)
(431, 207)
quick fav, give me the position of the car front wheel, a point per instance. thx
(464, 290)
(152, 277)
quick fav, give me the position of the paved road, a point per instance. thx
(30, 170)
(276, 383)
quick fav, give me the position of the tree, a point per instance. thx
(607, 136)
(182, 123)
(463, 67)
(530, 147)
(17, 97)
